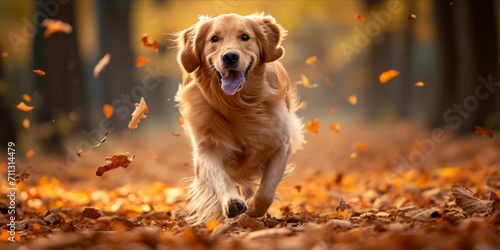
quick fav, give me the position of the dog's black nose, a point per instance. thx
(230, 59)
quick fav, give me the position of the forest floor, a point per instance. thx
(373, 188)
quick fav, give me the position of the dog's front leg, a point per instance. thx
(212, 189)
(273, 173)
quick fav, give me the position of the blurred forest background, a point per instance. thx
(449, 45)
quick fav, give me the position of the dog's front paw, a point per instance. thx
(258, 206)
(235, 207)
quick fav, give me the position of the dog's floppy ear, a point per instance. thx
(190, 43)
(269, 36)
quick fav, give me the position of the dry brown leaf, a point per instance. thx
(79, 153)
(298, 187)
(26, 97)
(107, 110)
(335, 127)
(115, 161)
(419, 84)
(468, 203)
(101, 65)
(343, 205)
(484, 132)
(30, 154)
(23, 107)
(311, 60)
(360, 146)
(423, 214)
(26, 123)
(106, 133)
(23, 175)
(302, 105)
(360, 17)
(412, 16)
(313, 125)
(387, 76)
(141, 61)
(353, 99)
(252, 223)
(55, 26)
(138, 114)
(176, 134)
(39, 72)
(148, 42)
(91, 213)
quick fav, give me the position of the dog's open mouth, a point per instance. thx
(233, 80)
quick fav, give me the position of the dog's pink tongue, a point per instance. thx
(232, 81)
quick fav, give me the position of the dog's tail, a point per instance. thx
(297, 139)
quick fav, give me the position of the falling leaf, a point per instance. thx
(79, 153)
(30, 154)
(305, 82)
(343, 205)
(419, 84)
(311, 60)
(26, 123)
(484, 132)
(313, 125)
(181, 120)
(412, 16)
(212, 224)
(302, 105)
(176, 134)
(39, 72)
(23, 175)
(360, 17)
(101, 65)
(141, 61)
(4, 54)
(298, 188)
(107, 110)
(360, 146)
(470, 204)
(91, 213)
(55, 26)
(138, 114)
(387, 76)
(354, 155)
(106, 133)
(26, 98)
(335, 127)
(353, 99)
(148, 42)
(23, 107)
(333, 111)
(115, 161)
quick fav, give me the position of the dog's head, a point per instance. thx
(230, 46)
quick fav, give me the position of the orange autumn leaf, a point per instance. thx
(30, 154)
(107, 110)
(26, 98)
(304, 81)
(484, 132)
(354, 155)
(311, 60)
(212, 224)
(419, 84)
(360, 146)
(360, 17)
(387, 76)
(313, 125)
(302, 105)
(115, 161)
(141, 61)
(138, 114)
(26, 123)
(23, 107)
(335, 127)
(353, 99)
(55, 26)
(148, 42)
(91, 213)
(101, 65)
(106, 133)
(181, 120)
(39, 72)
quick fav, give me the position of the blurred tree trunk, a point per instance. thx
(7, 127)
(467, 42)
(117, 79)
(62, 89)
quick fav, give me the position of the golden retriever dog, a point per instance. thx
(239, 111)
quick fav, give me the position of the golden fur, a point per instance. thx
(241, 140)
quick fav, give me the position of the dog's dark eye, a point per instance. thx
(245, 37)
(214, 39)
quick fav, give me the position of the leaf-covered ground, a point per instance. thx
(347, 192)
